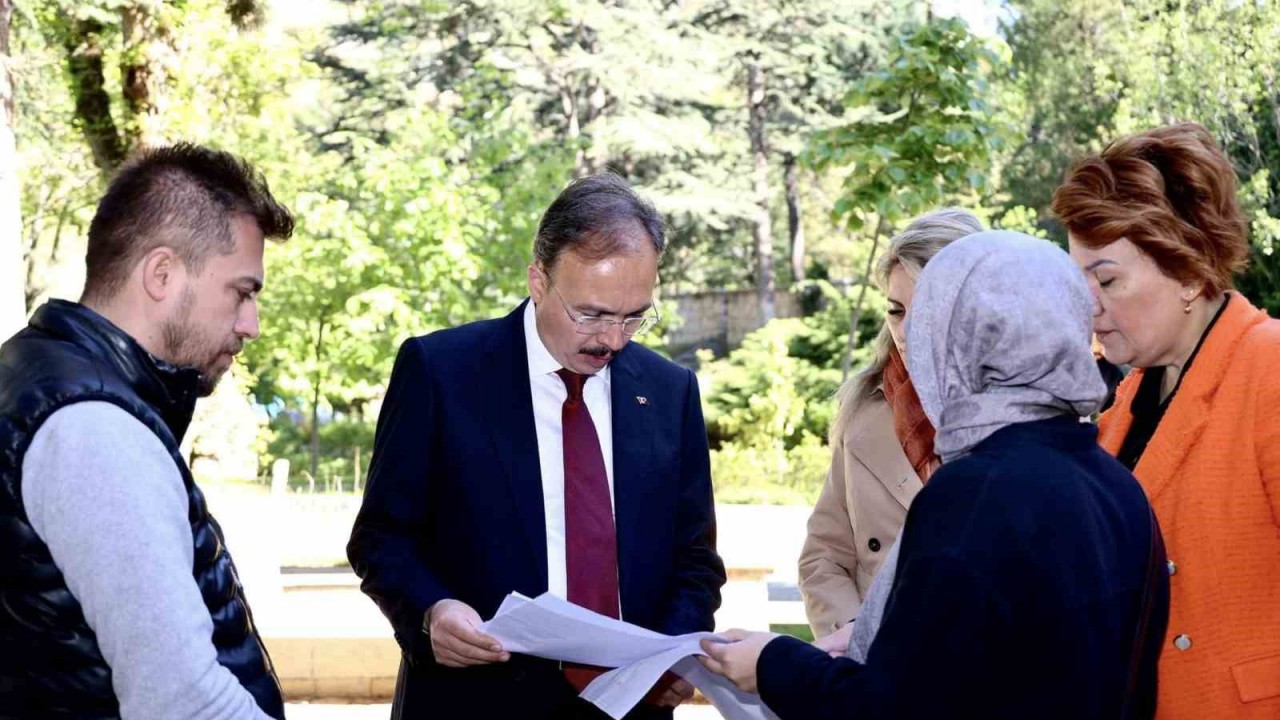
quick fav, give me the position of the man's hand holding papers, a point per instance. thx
(553, 628)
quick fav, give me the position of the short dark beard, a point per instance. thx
(182, 349)
(206, 384)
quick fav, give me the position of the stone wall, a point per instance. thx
(720, 319)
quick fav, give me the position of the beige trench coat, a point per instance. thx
(859, 514)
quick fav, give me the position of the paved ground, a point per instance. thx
(305, 711)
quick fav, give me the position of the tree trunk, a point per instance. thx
(33, 287)
(83, 45)
(142, 71)
(355, 471)
(317, 380)
(13, 304)
(315, 430)
(573, 130)
(856, 315)
(1273, 95)
(794, 225)
(594, 122)
(598, 154)
(759, 153)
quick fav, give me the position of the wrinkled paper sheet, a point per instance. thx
(553, 628)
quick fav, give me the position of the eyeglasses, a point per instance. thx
(594, 325)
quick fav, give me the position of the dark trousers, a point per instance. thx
(579, 709)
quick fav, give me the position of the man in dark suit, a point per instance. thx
(541, 452)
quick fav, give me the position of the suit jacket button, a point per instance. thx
(874, 545)
(1173, 568)
(1182, 642)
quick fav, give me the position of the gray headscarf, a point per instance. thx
(998, 333)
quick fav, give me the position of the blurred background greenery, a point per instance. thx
(419, 140)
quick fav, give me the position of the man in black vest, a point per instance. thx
(117, 596)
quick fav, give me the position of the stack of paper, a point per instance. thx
(553, 628)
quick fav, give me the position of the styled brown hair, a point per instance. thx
(1171, 192)
(182, 196)
(586, 214)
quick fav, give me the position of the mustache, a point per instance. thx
(596, 351)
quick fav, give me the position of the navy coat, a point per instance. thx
(1017, 595)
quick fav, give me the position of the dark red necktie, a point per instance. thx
(591, 544)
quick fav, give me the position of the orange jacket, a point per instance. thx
(1212, 471)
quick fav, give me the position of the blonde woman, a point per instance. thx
(881, 447)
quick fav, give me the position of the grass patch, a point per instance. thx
(800, 630)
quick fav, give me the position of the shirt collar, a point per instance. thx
(541, 362)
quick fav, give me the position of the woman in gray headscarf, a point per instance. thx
(1029, 581)
(1027, 350)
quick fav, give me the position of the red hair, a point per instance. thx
(1172, 193)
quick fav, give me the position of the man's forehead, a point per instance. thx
(242, 266)
(623, 289)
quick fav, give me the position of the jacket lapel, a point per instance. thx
(509, 403)
(633, 452)
(1185, 418)
(1178, 431)
(873, 443)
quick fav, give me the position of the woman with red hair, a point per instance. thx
(1154, 224)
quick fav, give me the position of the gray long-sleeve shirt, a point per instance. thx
(103, 493)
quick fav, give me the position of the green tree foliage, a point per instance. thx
(767, 410)
(1063, 87)
(399, 245)
(57, 196)
(1087, 71)
(538, 92)
(922, 129)
(655, 91)
(769, 403)
(141, 40)
(791, 63)
(921, 132)
(391, 240)
(419, 141)
(227, 438)
(12, 303)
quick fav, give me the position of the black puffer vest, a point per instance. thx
(50, 664)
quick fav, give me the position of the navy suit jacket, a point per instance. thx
(453, 507)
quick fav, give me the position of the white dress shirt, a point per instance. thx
(549, 395)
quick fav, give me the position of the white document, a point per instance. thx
(553, 628)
